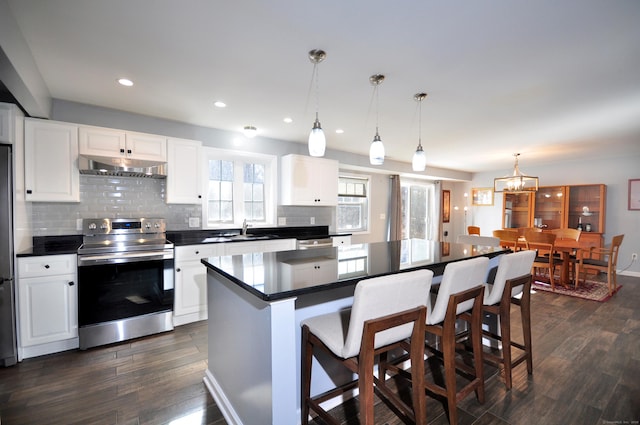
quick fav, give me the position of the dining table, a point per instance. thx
(563, 246)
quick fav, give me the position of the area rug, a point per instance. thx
(589, 290)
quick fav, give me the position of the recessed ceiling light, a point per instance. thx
(288, 120)
(125, 82)
(220, 104)
(339, 131)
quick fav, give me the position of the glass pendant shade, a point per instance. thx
(376, 151)
(419, 161)
(317, 141)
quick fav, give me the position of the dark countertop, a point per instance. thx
(274, 278)
(69, 244)
(194, 237)
(53, 245)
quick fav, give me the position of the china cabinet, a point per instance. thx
(554, 207)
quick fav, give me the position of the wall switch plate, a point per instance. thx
(383, 216)
(282, 221)
(312, 220)
(78, 224)
(194, 221)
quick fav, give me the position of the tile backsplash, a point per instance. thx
(123, 197)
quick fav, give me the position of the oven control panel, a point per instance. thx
(106, 226)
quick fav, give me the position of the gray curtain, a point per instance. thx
(395, 209)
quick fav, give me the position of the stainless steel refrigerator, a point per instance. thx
(8, 351)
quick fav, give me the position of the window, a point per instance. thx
(239, 186)
(418, 210)
(353, 204)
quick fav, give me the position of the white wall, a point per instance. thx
(613, 172)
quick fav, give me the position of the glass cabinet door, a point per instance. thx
(586, 208)
(517, 210)
(550, 207)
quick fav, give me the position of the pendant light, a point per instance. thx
(419, 162)
(317, 140)
(516, 182)
(376, 151)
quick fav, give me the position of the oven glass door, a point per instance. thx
(108, 292)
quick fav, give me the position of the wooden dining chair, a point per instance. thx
(473, 230)
(543, 244)
(601, 260)
(509, 238)
(386, 312)
(574, 235)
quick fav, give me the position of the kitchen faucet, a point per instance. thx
(244, 227)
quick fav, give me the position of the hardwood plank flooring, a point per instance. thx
(586, 371)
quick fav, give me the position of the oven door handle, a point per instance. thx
(123, 257)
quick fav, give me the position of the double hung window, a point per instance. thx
(353, 204)
(239, 186)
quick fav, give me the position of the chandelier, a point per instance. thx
(517, 182)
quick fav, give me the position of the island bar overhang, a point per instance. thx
(255, 313)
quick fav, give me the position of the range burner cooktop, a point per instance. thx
(123, 235)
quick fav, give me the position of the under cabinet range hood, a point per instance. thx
(121, 167)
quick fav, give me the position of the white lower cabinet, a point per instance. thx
(190, 303)
(47, 305)
(296, 274)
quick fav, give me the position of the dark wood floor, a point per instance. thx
(586, 371)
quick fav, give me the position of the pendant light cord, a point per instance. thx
(314, 78)
(420, 123)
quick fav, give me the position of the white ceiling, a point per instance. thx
(553, 80)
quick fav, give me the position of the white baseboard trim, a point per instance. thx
(221, 399)
(627, 273)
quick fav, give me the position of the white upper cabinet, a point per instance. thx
(51, 161)
(309, 181)
(184, 179)
(111, 143)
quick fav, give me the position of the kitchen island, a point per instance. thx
(256, 303)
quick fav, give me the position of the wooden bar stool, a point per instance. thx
(512, 278)
(386, 311)
(459, 298)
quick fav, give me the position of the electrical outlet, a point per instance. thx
(313, 220)
(194, 221)
(282, 221)
(634, 256)
(78, 224)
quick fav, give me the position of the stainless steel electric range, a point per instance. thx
(125, 280)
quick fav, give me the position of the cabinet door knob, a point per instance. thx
(46, 266)
(129, 151)
(121, 150)
(71, 283)
(178, 270)
(197, 252)
(29, 191)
